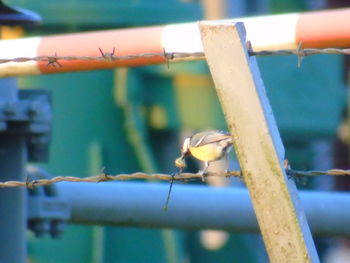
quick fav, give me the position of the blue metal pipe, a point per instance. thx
(193, 207)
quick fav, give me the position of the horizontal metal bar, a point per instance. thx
(320, 29)
(192, 207)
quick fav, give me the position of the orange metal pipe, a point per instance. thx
(330, 28)
(125, 42)
(322, 29)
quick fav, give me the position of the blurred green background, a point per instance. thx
(132, 119)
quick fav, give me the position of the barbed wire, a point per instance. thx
(54, 60)
(302, 52)
(103, 177)
(331, 172)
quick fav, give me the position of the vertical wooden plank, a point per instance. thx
(257, 143)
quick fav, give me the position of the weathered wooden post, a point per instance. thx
(257, 143)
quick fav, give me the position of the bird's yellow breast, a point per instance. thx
(208, 152)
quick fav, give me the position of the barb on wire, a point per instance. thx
(108, 56)
(103, 177)
(53, 60)
(300, 54)
(167, 57)
(29, 183)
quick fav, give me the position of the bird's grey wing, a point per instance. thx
(212, 138)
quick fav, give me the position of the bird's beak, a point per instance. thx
(180, 162)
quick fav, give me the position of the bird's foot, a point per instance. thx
(202, 174)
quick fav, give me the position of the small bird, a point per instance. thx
(205, 146)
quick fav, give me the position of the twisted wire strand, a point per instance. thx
(156, 176)
(176, 55)
(105, 177)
